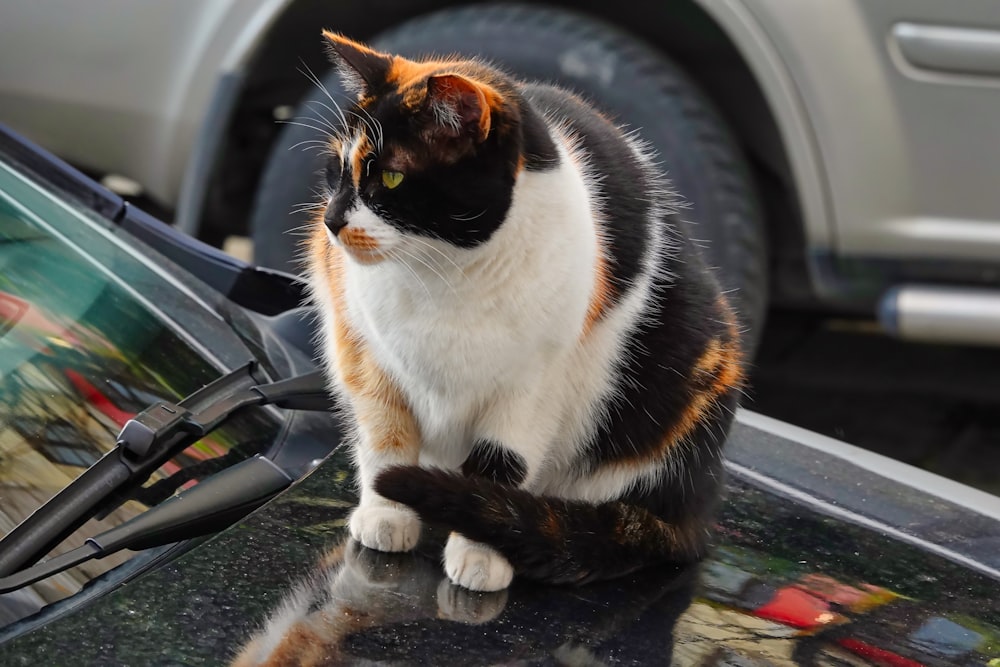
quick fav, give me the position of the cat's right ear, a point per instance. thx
(362, 70)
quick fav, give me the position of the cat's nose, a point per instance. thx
(335, 223)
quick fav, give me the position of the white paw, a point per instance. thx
(385, 527)
(476, 566)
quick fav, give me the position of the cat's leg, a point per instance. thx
(474, 565)
(387, 435)
(378, 523)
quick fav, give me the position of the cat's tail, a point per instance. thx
(544, 539)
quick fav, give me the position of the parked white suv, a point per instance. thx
(837, 153)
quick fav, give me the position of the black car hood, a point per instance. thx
(865, 571)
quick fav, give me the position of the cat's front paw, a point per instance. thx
(476, 566)
(385, 527)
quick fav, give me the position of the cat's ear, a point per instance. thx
(361, 69)
(460, 106)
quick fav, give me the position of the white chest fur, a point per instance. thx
(467, 332)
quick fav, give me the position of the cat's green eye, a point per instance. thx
(392, 179)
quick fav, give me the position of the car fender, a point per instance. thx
(789, 110)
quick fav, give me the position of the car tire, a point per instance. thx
(633, 83)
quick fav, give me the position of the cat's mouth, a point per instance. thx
(360, 246)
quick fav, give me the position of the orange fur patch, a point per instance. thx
(357, 239)
(453, 86)
(710, 360)
(602, 293)
(341, 39)
(358, 159)
(550, 525)
(721, 360)
(362, 247)
(379, 406)
(302, 645)
(410, 78)
(717, 371)
(408, 74)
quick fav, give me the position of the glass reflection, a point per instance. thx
(362, 605)
(81, 352)
(781, 587)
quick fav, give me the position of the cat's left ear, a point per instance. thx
(361, 69)
(460, 106)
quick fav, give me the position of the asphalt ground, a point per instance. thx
(936, 407)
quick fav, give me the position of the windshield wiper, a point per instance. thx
(147, 441)
(206, 508)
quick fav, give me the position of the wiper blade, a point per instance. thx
(206, 508)
(146, 442)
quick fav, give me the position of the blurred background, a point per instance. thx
(841, 159)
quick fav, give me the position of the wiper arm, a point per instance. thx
(146, 442)
(206, 508)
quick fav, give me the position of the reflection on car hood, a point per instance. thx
(786, 583)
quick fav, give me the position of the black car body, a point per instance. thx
(823, 554)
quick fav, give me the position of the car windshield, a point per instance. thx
(91, 332)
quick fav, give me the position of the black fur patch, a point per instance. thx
(624, 187)
(539, 149)
(339, 179)
(546, 539)
(462, 202)
(657, 381)
(494, 462)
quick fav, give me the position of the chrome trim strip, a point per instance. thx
(902, 473)
(830, 509)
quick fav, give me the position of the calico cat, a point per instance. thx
(528, 348)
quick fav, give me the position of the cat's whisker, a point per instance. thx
(298, 231)
(308, 126)
(436, 261)
(425, 261)
(309, 74)
(377, 129)
(429, 268)
(371, 128)
(338, 113)
(313, 203)
(467, 217)
(373, 125)
(320, 119)
(321, 142)
(300, 210)
(399, 260)
(440, 252)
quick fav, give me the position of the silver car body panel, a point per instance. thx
(907, 147)
(123, 86)
(888, 109)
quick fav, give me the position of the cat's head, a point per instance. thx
(431, 150)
